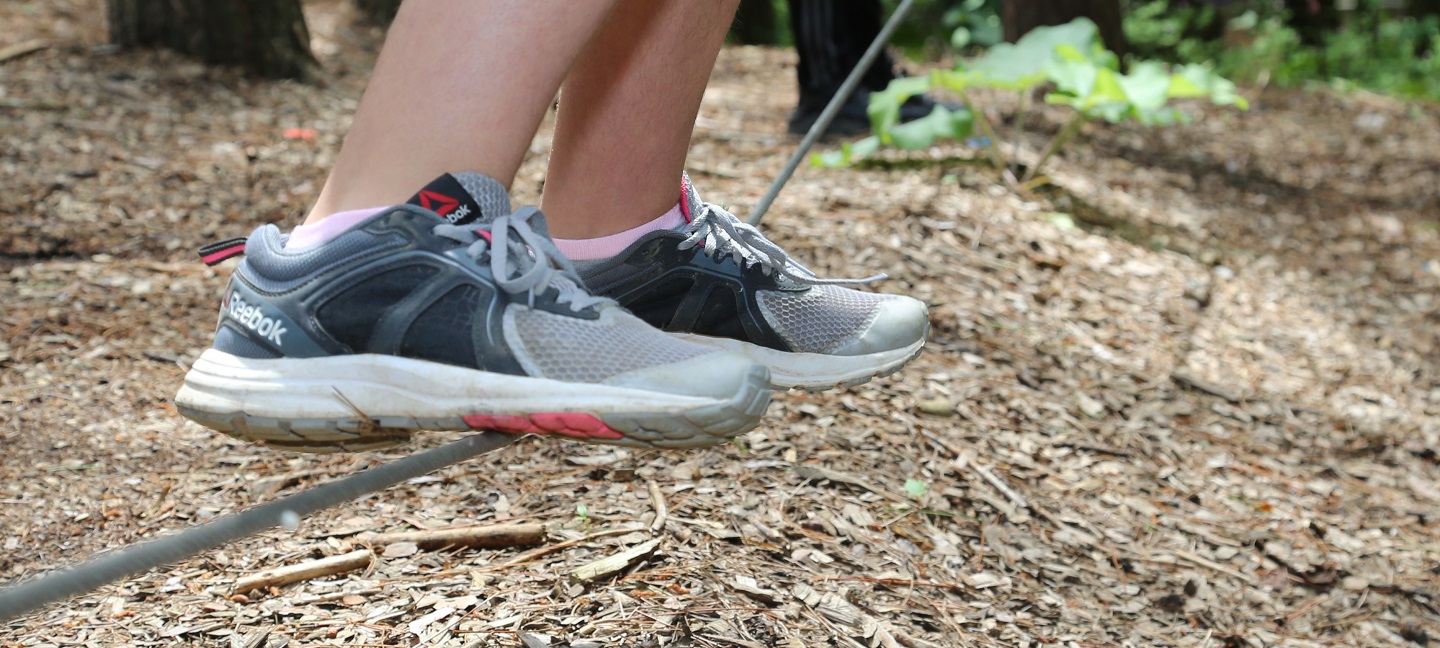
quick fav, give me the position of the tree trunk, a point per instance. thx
(755, 23)
(1021, 16)
(268, 37)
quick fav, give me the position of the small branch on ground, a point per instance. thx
(486, 537)
(21, 49)
(304, 571)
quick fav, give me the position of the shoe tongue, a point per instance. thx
(689, 198)
(464, 198)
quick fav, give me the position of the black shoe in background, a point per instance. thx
(851, 120)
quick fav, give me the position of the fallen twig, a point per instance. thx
(305, 571)
(1187, 379)
(21, 49)
(549, 549)
(486, 537)
(963, 463)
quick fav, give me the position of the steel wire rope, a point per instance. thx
(91, 574)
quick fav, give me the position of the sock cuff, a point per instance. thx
(308, 236)
(604, 247)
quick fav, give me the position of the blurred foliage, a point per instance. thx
(973, 23)
(937, 26)
(1371, 47)
(1070, 63)
(1388, 46)
(929, 30)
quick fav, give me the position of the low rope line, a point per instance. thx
(82, 578)
(831, 109)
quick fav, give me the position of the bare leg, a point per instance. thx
(461, 85)
(626, 114)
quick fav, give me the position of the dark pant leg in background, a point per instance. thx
(831, 37)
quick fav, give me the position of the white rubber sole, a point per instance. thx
(815, 371)
(367, 402)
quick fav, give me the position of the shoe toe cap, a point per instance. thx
(899, 322)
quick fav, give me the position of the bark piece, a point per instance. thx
(751, 588)
(662, 511)
(611, 565)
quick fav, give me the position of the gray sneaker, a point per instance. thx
(462, 316)
(719, 282)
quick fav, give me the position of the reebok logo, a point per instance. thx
(444, 205)
(458, 215)
(254, 318)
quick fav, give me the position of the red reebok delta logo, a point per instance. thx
(437, 202)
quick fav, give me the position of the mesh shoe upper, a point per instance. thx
(719, 277)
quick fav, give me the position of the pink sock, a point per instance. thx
(608, 246)
(308, 236)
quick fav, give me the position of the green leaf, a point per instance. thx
(866, 147)
(884, 107)
(1072, 78)
(1021, 66)
(915, 488)
(1147, 86)
(1200, 81)
(849, 153)
(941, 123)
(960, 37)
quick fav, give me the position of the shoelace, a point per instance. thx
(722, 233)
(546, 266)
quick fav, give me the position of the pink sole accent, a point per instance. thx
(571, 424)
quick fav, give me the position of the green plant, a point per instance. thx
(973, 23)
(1164, 29)
(1068, 59)
(1372, 47)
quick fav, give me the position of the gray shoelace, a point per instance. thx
(523, 260)
(722, 233)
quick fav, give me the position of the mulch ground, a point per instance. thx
(1186, 396)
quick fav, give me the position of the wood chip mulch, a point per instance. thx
(1186, 397)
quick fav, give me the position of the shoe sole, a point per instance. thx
(370, 402)
(815, 371)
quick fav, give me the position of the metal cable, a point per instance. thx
(831, 109)
(82, 578)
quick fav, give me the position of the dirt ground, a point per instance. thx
(1185, 397)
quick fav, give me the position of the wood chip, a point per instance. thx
(611, 565)
(751, 588)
